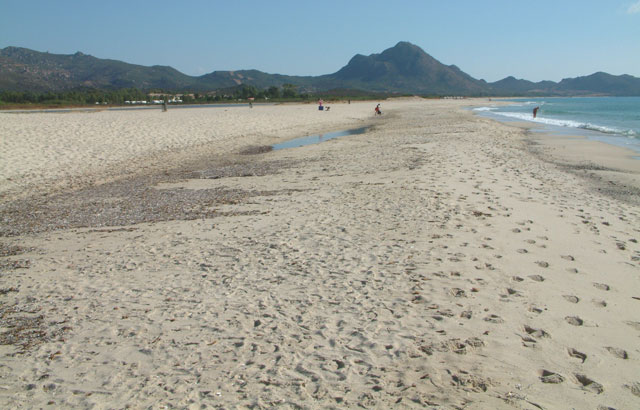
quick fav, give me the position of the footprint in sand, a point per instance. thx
(550, 377)
(457, 292)
(635, 325)
(574, 320)
(571, 298)
(522, 251)
(599, 303)
(542, 264)
(601, 286)
(537, 278)
(516, 279)
(466, 314)
(493, 319)
(535, 309)
(574, 353)
(589, 384)
(619, 353)
(512, 292)
(528, 341)
(634, 388)
(568, 257)
(572, 270)
(535, 332)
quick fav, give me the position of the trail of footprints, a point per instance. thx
(531, 244)
(469, 212)
(530, 336)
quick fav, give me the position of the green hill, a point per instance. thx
(404, 68)
(22, 69)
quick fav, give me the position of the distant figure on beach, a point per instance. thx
(320, 107)
(535, 112)
(378, 112)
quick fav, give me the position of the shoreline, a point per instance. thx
(608, 167)
(433, 261)
(611, 138)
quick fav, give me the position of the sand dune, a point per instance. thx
(435, 261)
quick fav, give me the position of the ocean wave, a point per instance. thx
(570, 124)
(485, 109)
(526, 103)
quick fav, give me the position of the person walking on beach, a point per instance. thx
(378, 112)
(320, 107)
(535, 112)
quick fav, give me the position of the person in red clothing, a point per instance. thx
(535, 112)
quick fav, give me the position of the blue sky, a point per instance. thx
(536, 40)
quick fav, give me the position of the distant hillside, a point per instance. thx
(513, 86)
(22, 69)
(594, 84)
(404, 68)
(601, 83)
(224, 79)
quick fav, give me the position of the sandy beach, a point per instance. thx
(439, 260)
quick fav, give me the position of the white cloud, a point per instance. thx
(634, 8)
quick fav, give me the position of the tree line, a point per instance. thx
(287, 92)
(117, 97)
(243, 92)
(79, 97)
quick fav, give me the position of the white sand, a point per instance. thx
(431, 262)
(48, 149)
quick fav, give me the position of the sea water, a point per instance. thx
(614, 120)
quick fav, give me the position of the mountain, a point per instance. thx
(258, 79)
(404, 68)
(602, 83)
(22, 69)
(513, 86)
(594, 84)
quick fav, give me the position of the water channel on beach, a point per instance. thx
(318, 138)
